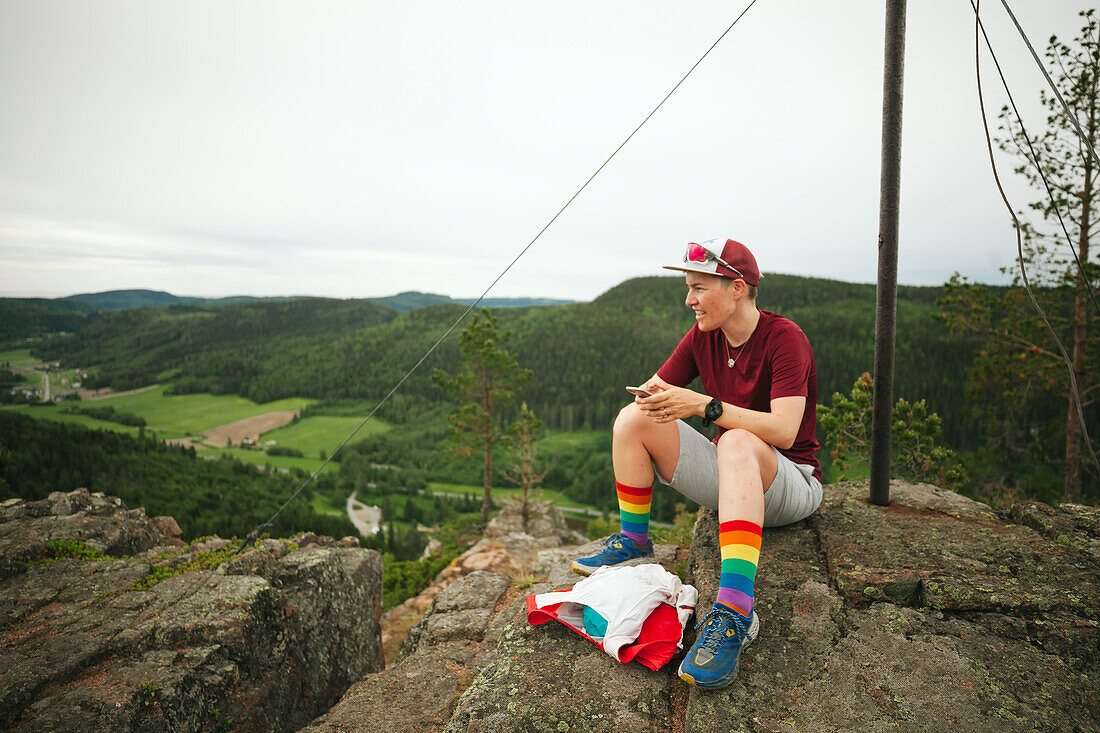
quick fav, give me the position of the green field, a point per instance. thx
(172, 416)
(19, 358)
(257, 457)
(21, 362)
(181, 416)
(553, 440)
(322, 505)
(322, 433)
(53, 413)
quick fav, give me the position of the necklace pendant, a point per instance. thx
(731, 362)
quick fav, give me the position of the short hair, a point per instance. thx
(750, 290)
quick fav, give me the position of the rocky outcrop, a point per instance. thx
(102, 522)
(506, 547)
(932, 612)
(549, 678)
(439, 658)
(926, 613)
(108, 621)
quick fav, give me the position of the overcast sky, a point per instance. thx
(356, 149)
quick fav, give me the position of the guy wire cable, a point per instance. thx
(1020, 240)
(256, 531)
(1035, 158)
(1050, 82)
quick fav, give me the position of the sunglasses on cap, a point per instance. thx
(699, 253)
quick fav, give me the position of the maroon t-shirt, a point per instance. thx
(776, 361)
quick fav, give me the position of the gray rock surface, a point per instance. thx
(101, 522)
(929, 613)
(259, 642)
(547, 677)
(934, 612)
(437, 662)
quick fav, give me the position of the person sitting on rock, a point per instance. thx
(760, 382)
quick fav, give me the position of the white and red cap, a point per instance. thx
(724, 258)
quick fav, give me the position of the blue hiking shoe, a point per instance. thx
(713, 661)
(616, 549)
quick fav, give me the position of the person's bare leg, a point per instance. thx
(638, 443)
(746, 467)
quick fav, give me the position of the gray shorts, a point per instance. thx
(794, 494)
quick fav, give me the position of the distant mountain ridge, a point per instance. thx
(411, 299)
(111, 301)
(27, 318)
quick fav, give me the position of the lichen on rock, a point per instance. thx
(935, 611)
(128, 628)
(932, 612)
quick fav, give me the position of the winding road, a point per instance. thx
(367, 519)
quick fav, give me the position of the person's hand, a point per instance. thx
(669, 403)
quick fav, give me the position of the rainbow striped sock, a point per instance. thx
(740, 543)
(634, 506)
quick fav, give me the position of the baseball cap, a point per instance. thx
(724, 258)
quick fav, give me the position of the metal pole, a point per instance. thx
(889, 205)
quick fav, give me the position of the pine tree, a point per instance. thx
(916, 453)
(485, 382)
(1019, 382)
(522, 435)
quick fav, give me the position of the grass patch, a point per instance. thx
(70, 550)
(680, 533)
(323, 505)
(317, 433)
(19, 358)
(207, 560)
(830, 474)
(178, 416)
(552, 440)
(259, 458)
(171, 416)
(181, 415)
(22, 363)
(55, 413)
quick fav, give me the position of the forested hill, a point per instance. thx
(24, 318)
(117, 300)
(582, 354)
(411, 299)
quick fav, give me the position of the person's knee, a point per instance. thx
(741, 445)
(630, 421)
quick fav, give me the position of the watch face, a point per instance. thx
(714, 409)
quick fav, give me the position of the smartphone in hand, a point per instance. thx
(639, 391)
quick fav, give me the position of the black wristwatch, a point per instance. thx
(712, 412)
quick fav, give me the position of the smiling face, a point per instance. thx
(711, 299)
